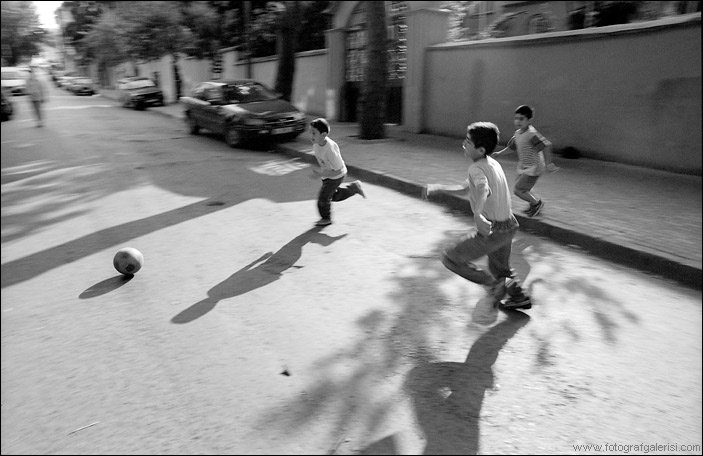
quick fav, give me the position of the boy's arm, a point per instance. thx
(480, 193)
(508, 147)
(546, 148)
(452, 188)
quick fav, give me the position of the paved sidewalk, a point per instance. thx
(639, 217)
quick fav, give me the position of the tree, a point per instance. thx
(287, 33)
(21, 33)
(373, 92)
(84, 14)
(106, 45)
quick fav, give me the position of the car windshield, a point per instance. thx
(247, 92)
(139, 84)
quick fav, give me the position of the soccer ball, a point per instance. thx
(128, 261)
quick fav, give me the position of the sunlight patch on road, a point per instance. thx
(31, 167)
(278, 167)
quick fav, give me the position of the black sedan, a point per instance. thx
(241, 110)
(139, 93)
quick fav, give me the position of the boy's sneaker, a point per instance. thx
(517, 302)
(323, 222)
(356, 185)
(536, 209)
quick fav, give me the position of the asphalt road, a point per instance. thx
(248, 331)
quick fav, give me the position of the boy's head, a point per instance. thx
(320, 125)
(481, 139)
(319, 128)
(523, 116)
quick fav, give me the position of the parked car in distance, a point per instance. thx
(241, 110)
(65, 81)
(7, 106)
(82, 86)
(14, 79)
(139, 93)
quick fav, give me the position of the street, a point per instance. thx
(249, 331)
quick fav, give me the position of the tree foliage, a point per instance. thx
(21, 32)
(84, 16)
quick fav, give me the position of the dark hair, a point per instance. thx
(484, 134)
(320, 125)
(525, 111)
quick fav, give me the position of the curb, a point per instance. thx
(638, 257)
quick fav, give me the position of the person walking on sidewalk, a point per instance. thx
(332, 171)
(37, 94)
(532, 149)
(489, 196)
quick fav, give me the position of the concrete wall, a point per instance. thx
(310, 80)
(627, 93)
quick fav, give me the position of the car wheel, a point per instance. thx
(193, 127)
(232, 137)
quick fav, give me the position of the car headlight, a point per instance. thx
(254, 122)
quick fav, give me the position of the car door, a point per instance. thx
(214, 114)
(198, 106)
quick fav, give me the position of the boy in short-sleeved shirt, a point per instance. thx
(532, 149)
(332, 171)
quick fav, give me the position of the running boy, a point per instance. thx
(332, 170)
(532, 148)
(489, 195)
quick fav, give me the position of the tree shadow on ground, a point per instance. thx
(448, 396)
(261, 272)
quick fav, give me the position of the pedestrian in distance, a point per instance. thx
(534, 154)
(332, 170)
(489, 196)
(37, 95)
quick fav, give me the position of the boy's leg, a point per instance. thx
(499, 265)
(324, 199)
(345, 192)
(523, 185)
(459, 258)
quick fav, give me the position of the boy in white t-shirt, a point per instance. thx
(489, 195)
(332, 170)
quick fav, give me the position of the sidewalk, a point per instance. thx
(639, 217)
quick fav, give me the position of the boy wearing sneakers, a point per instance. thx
(532, 149)
(489, 195)
(332, 171)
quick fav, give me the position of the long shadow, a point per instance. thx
(30, 266)
(106, 286)
(451, 422)
(264, 270)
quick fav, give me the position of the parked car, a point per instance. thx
(7, 106)
(14, 79)
(139, 93)
(65, 81)
(82, 86)
(241, 110)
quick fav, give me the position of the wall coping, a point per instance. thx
(270, 58)
(607, 31)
